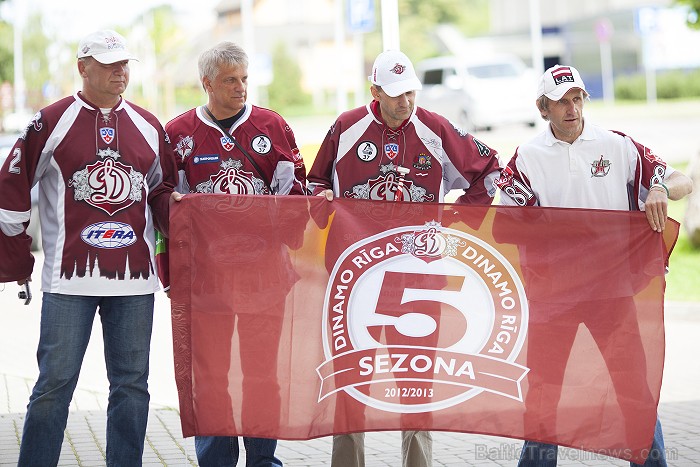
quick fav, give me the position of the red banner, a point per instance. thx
(295, 318)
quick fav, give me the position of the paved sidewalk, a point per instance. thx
(84, 442)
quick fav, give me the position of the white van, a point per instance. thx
(479, 94)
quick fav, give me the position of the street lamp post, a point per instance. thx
(20, 97)
(390, 25)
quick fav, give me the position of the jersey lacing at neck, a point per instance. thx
(389, 136)
(106, 116)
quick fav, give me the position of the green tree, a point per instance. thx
(285, 91)
(694, 16)
(35, 61)
(163, 46)
(6, 54)
(6, 66)
(419, 18)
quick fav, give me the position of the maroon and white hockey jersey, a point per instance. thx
(103, 177)
(360, 158)
(209, 162)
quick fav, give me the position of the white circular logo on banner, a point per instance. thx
(421, 318)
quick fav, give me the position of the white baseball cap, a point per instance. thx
(393, 71)
(105, 46)
(557, 80)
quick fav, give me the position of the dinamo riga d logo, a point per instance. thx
(421, 318)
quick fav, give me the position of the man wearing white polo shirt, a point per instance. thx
(576, 164)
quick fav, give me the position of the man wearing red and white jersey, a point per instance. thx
(392, 150)
(231, 147)
(576, 164)
(210, 162)
(368, 148)
(265, 159)
(105, 172)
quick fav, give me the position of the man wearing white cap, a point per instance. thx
(574, 163)
(106, 173)
(391, 150)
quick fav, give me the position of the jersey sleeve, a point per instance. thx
(16, 260)
(172, 165)
(649, 169)
(515, 186)
(320, 176)
(290, 173)
(480, 166)
(162, 180)
(17, 176)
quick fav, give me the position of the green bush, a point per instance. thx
(285, 90)
(677, 84)
(683, 273)
(631, 87)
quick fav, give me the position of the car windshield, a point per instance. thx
(493, 70)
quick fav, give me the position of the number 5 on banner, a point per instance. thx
(411, 307)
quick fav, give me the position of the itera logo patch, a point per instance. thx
(422, 318)
(108, 235)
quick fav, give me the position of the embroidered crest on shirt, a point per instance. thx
(108, 184)
(385, 185)
(600, 168)
(232, 180)
(107, 134)
(184, 147)
(227, 143)
(423, 162)
(391, 150)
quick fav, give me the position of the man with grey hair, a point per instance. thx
(229, 146)
(574, 163)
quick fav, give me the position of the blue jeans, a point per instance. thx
(545, 455)
(222, 451)
(66, 324)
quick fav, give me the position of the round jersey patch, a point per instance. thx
(421, 318)
(367, 151)
(261, 144)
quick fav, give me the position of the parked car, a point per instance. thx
(7, 141)
(479, 94)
